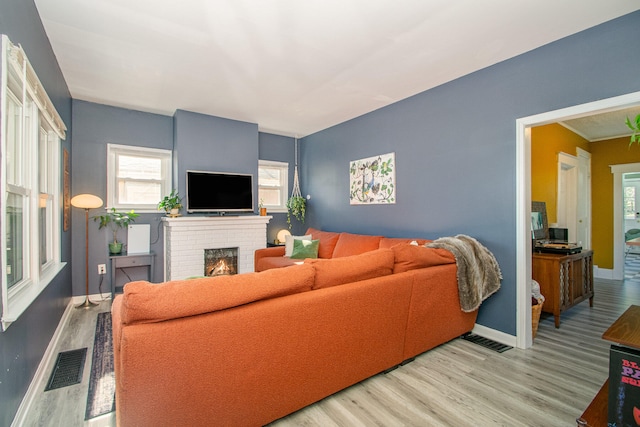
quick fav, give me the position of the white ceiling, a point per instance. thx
(294, 67)
(603, 126)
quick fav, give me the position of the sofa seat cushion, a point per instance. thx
(389, 242)
(267, 263)
(411, 257)
(328, 240)
(338, 271)
(354, 244)
(145, 302)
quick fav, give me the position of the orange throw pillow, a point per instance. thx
(411, 257)
(337, 271)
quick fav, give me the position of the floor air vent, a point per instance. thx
(486, 342)
(68, 369)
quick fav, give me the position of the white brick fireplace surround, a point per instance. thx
(186, 238)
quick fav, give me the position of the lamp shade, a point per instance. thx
(282, 235)
(86, 201)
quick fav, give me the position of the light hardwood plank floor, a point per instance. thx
(456, 384)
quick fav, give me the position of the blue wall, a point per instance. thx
(95, 126)
(210, 143)
(199, 142)
(455, 148)
(23, 344)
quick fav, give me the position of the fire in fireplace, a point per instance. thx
(220, 262)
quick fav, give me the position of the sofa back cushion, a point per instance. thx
(411, 257)
(354, 244)
(337, 271)
(149, 302)
(328, 240)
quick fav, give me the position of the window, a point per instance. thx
(29, 185)
(138, 177)
(273, 185)
(630, 202)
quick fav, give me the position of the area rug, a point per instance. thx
(102, 384)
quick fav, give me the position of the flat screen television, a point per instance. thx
(219, 192)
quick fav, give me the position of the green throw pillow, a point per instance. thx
(305, 249)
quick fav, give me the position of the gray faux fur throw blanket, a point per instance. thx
(478, 271)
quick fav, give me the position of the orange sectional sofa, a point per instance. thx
(248, 349)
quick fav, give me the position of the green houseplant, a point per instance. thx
(115, 220)
(635, 127)
(171, 204)
(296, 206)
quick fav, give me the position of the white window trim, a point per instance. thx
(17, 299)
(284, 183)
(115, 149)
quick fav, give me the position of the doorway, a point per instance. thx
(523, 197)
(631, 223)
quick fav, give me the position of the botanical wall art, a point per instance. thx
(373, 180)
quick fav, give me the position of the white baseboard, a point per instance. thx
(602, 273)
(495, 335)
(79, 299)
(39, 377)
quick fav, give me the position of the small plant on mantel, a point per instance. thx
(635, 127)
(115, 220)
(171, 204)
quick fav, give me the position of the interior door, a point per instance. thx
(583, 211)
(574, 196)
(567, 216)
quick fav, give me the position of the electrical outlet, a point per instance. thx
(102, 269)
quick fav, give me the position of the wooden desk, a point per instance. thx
(624, 331)
(565, 280)
(134, 260)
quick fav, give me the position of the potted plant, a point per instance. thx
(115, 220)
(263, 210)
(171, 204)
(296, 206)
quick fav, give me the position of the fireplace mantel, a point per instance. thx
(186, 238)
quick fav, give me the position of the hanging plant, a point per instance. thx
(296, 206)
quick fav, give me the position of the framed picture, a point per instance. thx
(373, 180)
(539, 225)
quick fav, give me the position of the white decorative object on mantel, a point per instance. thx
(186, 238)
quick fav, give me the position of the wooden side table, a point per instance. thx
(624, 331)
(565, 280)
(133, 260)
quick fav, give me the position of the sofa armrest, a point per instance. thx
(267, 252)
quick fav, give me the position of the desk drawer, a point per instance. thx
(130, 261)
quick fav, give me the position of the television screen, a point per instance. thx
(219, 192)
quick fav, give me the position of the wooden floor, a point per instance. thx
(456, 384)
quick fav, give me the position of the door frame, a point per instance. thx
(618, 217)
(523, 197)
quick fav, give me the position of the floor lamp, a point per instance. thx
(86, 202)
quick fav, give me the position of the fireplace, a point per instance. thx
(220, 262)
(186, 238)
